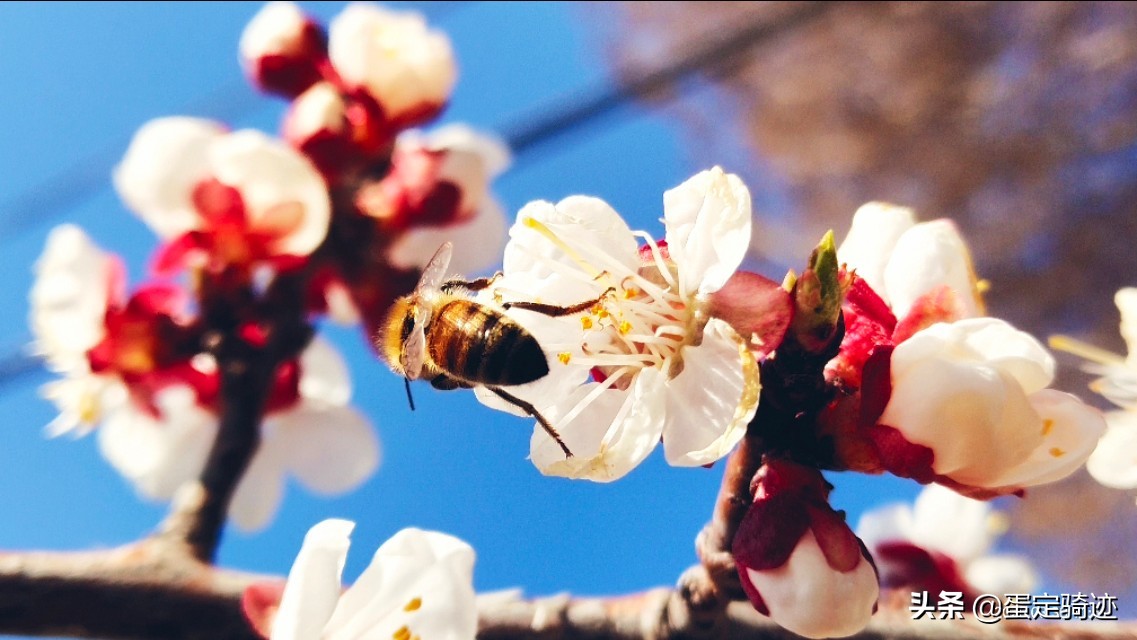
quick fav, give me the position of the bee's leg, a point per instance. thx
(469, 285)
(531, 410)
(556, 310)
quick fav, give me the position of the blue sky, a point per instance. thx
(80, 78)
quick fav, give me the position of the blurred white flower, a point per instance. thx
(469, 161)
(281, 49)
(1114, 462)
(326, 445)
(659, 365)
(419, 585)
(903, 260)
(245, 195)
(974, 392)
(406, 67)
(75, 281)
(956, 528)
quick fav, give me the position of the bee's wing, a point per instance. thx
(435, 270)
(414, 349)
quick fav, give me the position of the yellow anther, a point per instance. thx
(586, 322)
(403, 633)
(1047, 426)
(631, 292)
(624, 327)
(89, 409)
(413, 605)
(983, 286)
(1055, 452)
(564, 357)
(603, 313)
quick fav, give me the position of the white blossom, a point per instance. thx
(75, 281)
(1114, 462)
(472, 161)
(404, 65)
(974, 392)
(419, 585)
(903, 260)
(283, 196)
(658, 365)
(810, 598)
(278, 29)
(328, 446)
(963, 529)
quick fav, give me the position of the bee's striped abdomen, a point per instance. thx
(480, 345)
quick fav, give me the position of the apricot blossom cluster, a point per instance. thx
(259, 236)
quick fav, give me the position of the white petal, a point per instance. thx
(809, 598)
(83, 400)
(313, 587)
(875, 229)
(330, 449)
(165, 160)
(258, 495)
(324, 376)
(159, 456)
(492, 150)
(275, 30)
(976, 419)
(1002, 574)
(393, 55)
(1126, 301)
(708, 229)
(471, 160)
(610, 437)
(1114, 462)
(270, 174)
(74, 283)
(429, 573)
(477, 242)
(1070, 430)
(957, 526)
(888, 523)
(1010, 350)
(711, 402)
(929, 255)
(320, 108)
(587, 228)
(341, 308)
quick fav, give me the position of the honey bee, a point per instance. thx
(439, 334)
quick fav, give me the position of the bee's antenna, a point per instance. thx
(410, 398)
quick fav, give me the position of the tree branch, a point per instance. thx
(139, 592)
(200, 508)
(664, 613)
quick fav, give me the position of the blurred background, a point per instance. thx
(1018, 120)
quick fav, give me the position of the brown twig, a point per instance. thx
(140, 591)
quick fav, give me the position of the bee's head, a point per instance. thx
(396, 328)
